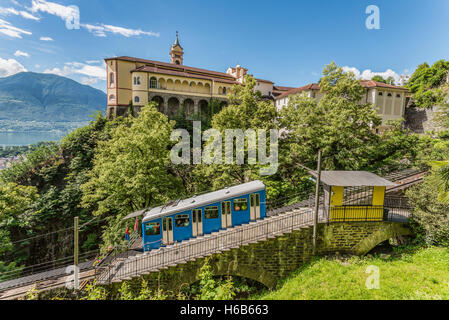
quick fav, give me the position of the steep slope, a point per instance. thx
(31, 96)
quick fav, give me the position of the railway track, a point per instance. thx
(51, 279)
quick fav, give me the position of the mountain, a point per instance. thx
(28, 96)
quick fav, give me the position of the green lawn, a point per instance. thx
(417, 274)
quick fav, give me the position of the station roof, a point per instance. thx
(353, 179)
(203, 200)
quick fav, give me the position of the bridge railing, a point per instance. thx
(206, 246)
(275, 225)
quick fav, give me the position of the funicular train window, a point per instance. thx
(358, 196)
(240, 204)
(152, 229)
(182, 220)
(211, 212)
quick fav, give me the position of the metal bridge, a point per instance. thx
(125, 265)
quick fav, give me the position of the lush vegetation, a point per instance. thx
(407, 275)
(107, 169)
(389, 80)
(428, 84)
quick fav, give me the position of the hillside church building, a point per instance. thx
(174, 85)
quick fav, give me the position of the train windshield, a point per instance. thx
(152, 229)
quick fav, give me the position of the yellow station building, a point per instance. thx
(354, 195)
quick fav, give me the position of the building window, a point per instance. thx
(224, 90)
(353, 196)
(398, 95)
(153, 83)
(182, 220)
(152, 229)
(381, 94)
(240, 204)
(111, 97)
(390, 95)
(136, 99)
(111, 78)
(211, 212)
(136, 80)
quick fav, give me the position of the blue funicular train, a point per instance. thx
(202, 214)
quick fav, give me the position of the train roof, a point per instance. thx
(203, 200)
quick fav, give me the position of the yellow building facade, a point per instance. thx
(172, 85)
(388, 100)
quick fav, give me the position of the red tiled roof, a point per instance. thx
(181, 74)
(262, 80)
(364, 83)
(175, 67)
(373, 84)
(312, 86)
(281, 88)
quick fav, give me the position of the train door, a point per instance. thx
(255, 206)
(167, 231)
(197, 222)
(226, 218)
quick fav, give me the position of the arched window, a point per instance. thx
(390, 95)
(224, 90)
(136, 99)
(111, 97)
(153, 82)
(111, 78)
(381, 94)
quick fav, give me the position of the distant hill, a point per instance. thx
(30, 96)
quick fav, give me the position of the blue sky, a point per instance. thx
(288, 42)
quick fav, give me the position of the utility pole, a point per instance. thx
(317, 200)
(75, 256)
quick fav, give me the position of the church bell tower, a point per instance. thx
(176, 52)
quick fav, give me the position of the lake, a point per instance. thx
(8, 139)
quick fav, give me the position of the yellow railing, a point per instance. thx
(356, 213)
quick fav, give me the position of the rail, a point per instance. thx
(207, 245)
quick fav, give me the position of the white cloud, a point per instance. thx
(368, 74)
(102, 29)
(90, 73)
(24, 14)
(56, 9)
(89, 81)
(21, 54)
(45, 39)
(8, 29)
(93, 61)
(10, 67)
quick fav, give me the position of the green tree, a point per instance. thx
(429, 214)
(247, 110)
(131, 170)
(426, 84)
(379, 79)
(210, 289)
(338, 124)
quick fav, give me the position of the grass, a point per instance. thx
(410, 274)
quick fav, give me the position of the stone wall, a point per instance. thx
(270, 261)
(421, 120)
